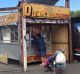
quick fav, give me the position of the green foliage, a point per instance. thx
(72, 14)
(75, 13)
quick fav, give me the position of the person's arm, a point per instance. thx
(25, 38)
(55, 54)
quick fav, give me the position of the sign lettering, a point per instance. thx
(44, 11)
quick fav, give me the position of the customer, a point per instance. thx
(41, 47)
(58, 57)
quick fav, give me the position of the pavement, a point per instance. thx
(73, 68)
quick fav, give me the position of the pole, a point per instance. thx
(67, 5)
(24, 43)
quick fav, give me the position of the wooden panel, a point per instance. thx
(60, 38)
(60, 33)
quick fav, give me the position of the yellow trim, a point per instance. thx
(45, 11)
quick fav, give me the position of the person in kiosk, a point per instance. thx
(41, 47)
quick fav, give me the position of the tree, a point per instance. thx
(72, 14)
(77, 13)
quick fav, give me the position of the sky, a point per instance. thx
(74, 4)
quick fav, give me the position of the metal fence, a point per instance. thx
(9, 34)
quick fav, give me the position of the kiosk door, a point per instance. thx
(32, 31)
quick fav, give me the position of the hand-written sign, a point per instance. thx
(44, 11)
(9, 18)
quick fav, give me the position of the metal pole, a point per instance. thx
(67, 3)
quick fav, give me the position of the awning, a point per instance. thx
(46, 21)
(8, 19)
